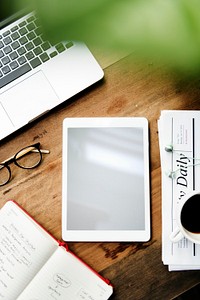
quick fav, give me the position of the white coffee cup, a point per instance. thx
(188, 219)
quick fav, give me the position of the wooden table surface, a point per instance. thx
(135, 269)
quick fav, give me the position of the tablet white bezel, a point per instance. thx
(106, 235)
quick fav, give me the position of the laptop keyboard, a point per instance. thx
(23, 48)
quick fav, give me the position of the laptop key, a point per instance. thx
(13, 55)
(52, 54)
(30, 19)
(31, 35)
(15, 45)
(14, 28)
(30, 26)
(6, 70)
(14, 65)
(29, 46)
(21, 60)
(37, 50)
(1, 54)
(30, 55)
(23, 40)
(38, 31)
(7, 49)
(23, 31)
(1, 44)
(60, 48)
(37, 41)
(35, 62)
(7, 40)
(23, 23)
(15, 36)
(14, 75)
(69, 45)
(5, 60)
(44, 57)
(21, 51)
(6, 33)
(45, 46)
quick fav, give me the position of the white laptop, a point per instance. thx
(36, 76)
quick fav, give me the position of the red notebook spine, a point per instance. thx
(63, 244)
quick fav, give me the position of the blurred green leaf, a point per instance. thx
(166, 30)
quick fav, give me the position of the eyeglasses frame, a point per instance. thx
(13, 159)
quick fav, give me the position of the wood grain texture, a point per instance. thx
(135, 269)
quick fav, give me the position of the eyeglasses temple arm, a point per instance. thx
(24, 152)
(42, 151)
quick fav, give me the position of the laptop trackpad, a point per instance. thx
(7, 127)
(29, 99)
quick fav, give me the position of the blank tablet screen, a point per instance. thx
(106, 185)
(105, 179)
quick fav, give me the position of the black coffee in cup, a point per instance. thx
(190, 214)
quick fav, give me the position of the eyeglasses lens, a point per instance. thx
(4, 175)
(28, 158)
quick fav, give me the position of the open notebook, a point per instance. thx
(34, 265)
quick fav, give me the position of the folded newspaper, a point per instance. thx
(179, 141)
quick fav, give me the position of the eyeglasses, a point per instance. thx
(27, 158)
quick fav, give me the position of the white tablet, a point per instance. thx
(106, 194)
